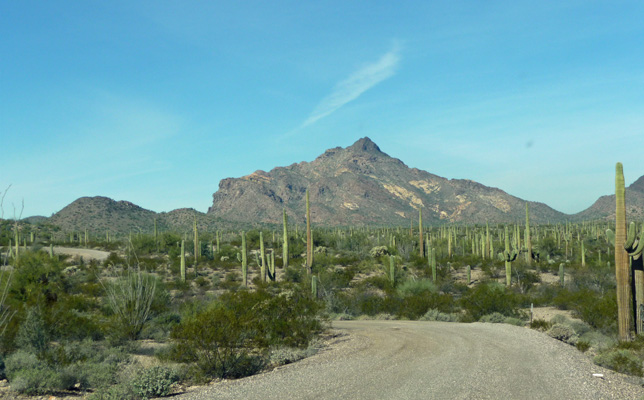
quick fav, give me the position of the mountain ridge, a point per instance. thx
(358, 185)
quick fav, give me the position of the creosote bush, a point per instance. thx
(229, 339)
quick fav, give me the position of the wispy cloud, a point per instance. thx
(359, 82)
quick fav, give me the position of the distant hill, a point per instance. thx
(100, 214)
(361, 185)
(604, 207)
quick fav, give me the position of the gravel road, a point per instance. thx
(433, 360)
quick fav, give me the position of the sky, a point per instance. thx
(155, 102)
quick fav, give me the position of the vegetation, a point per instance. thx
(204, 301)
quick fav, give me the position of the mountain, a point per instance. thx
(361, 185)
(604, 207)
(101, 214)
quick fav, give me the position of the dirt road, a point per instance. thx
(87, 254)
(434, 360)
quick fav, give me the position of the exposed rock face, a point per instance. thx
(361, 185)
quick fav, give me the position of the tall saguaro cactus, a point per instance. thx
(244, 260)
(508, 256)
(420, 231)
(183, 261)
(309, 238)
(528, 242)
(622, 269)
(285, 243)
(262, 256)
(197, 248)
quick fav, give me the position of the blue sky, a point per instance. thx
(155, 102)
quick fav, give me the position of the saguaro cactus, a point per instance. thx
(528, 242)
(508, 256)
(244, 260)
(309, 237)
(285, 242)
(433, 264)
(420, 231)
(392, 270)
(183, 261)
(622, 270)
(262, 257)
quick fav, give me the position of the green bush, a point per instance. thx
(154, 382)
(561, 332)
(620, 360)
(116, 392)
(582, 345)
(494, 318)
(416, 287)
(540, 324)
(31, 376)
(435, 315)
(33, 336)
(223, 340)
(488, 298)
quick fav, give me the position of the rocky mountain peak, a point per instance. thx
(365, 145)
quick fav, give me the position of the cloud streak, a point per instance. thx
(359, 82)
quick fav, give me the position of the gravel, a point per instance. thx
(438, 360)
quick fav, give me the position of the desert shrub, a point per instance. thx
(335, 278)
(154, 382)
(221, 339)
(416, 287)
(560, 319)
(620, 360)
(435, 315)
(582, 345)
(115, 392)
(561, 332)
(41, 381)
(379, 251)
(597, 310)
(514, 321)
(597, 340)
(282, 355)
(488, 298)
(540, 324)
(159, 327)
(415, 306)
(294, 274)
(494, 318)
(33, 336)
(29, 375)
(580, 327)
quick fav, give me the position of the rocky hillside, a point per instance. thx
(361, 185)
(101, 214)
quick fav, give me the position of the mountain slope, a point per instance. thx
(361, 185)
(604, 207)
